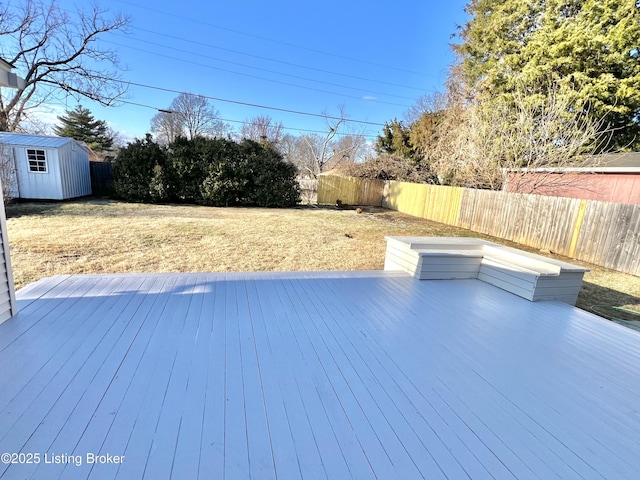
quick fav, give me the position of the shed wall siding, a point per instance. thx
(75, 178)
(38, 185)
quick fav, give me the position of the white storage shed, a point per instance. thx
(44, 167)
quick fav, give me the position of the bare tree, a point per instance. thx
(117, 137)
(35, 124)
(295, 150)
(426, 104)
(56, 52)
(320, 146)
(263, 129)
(479, 143)
(167, 126)
(312, 154)
(190, 116)
(350, 148)
(547, 138)
(332, 149)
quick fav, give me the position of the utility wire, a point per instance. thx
(219, 27)
(249, 75)
(247, 104)
(283, 62)
(195, 42)
(254, 68)
(244, 122)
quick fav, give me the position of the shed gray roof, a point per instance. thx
(28, 140)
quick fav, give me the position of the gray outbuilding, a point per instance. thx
(44, 167)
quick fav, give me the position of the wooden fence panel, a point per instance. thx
(467, 208)
(611, 236)
(632, 242)
(440, 204)
(615, 221)
(308, 190)
(350, 191)
(630, 250)
(602, 233)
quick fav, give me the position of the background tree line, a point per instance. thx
(543, 83)
(192, 116)
(537, 84)
(58, 54)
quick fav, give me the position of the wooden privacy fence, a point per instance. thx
(602, 233)
(350, 191)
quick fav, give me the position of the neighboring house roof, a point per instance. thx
(615, 160)
(29, 140)
(92, 155)
(606, 163)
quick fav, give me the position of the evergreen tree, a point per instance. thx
(81, 125)
(583, 49)
(395, 140)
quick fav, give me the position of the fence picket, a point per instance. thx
(601, 233)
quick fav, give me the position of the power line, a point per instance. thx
(249, 75)
(252, 67)
(247, 104)
(245, 122)
(239, 32)
(195, 42)
(282, 62)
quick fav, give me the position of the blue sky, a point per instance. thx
(375, 58)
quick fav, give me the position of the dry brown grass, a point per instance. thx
(101, 236)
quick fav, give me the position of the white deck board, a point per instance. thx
(314, 375)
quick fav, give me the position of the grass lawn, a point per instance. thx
(103, 236)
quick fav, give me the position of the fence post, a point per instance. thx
(577, 227)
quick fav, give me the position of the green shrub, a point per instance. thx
(217, 172)
(271, 181)
(226, 179)
(139, 171)
(189, 164)
(250, 174)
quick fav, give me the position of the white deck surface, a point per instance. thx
(313, 375)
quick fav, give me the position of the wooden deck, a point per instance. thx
(313, 375)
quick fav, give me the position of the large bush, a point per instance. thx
(139, 171)
(188, 166)
(251, 174)
(217, 172)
